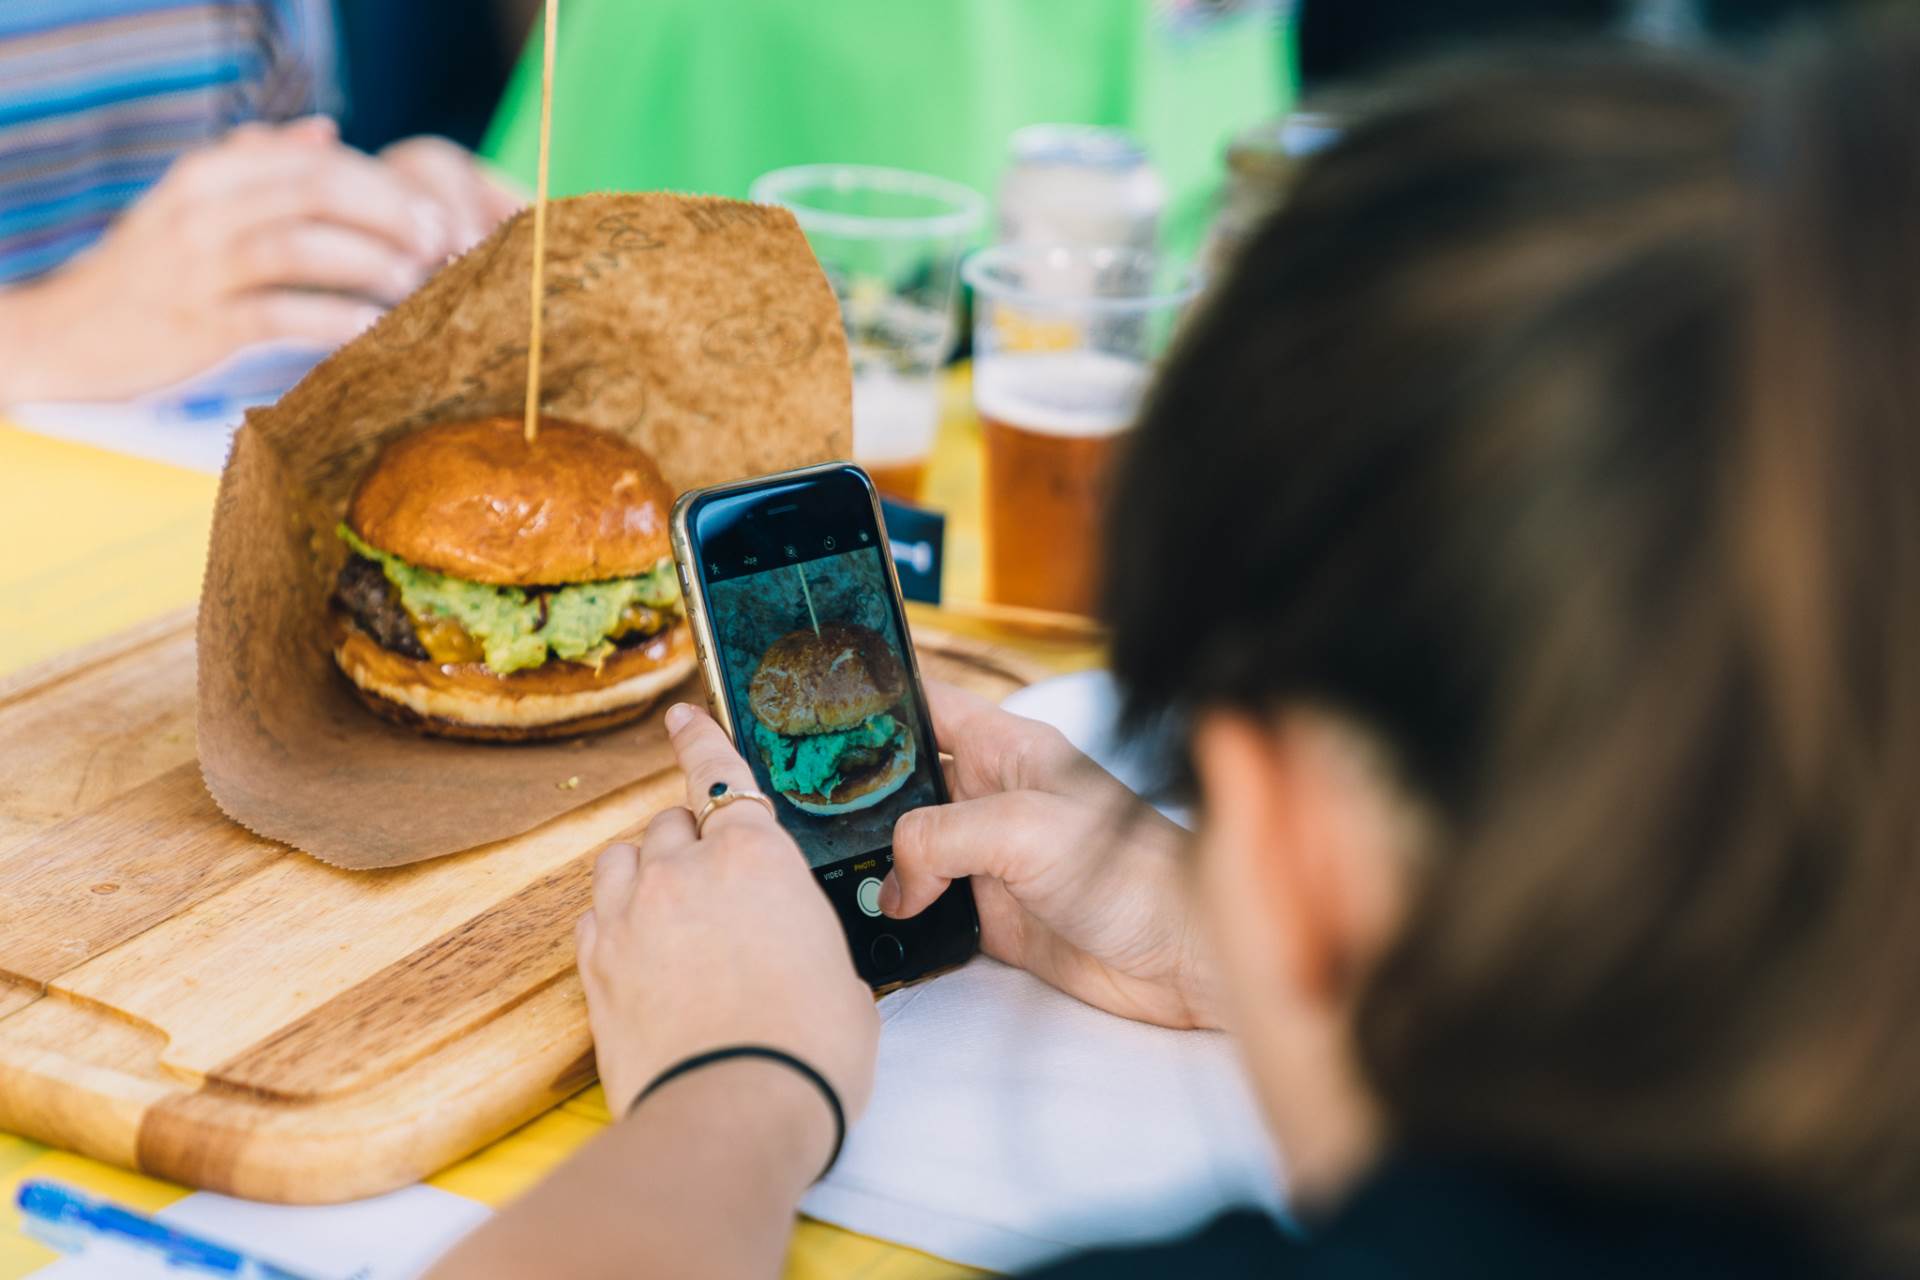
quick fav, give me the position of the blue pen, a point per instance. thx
(209, 407)
(66, 1220)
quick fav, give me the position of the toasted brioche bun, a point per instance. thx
(474, 500)
(469, 700)
(864, 791)
(824, 683)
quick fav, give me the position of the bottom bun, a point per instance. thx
(864, 791)
(467, 700)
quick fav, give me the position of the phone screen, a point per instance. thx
(810, 652)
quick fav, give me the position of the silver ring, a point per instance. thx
(720, 799)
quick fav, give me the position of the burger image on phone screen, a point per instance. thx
(826, 718)
(503, 590)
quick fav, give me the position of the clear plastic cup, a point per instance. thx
(890, 241)
(1065, 343)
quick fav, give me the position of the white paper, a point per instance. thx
(392, 1237)
(1011, 1124)
(189, 425)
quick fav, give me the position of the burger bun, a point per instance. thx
(825, 681)
(469, 700)
(474, 500)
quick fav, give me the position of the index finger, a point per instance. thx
(441, 170)
(614, 870)
(992, 748)
(709, 760)
(336, 184)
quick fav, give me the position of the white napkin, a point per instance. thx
(1011, 1124)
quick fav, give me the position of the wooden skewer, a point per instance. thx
(534, 345)
(807, 591)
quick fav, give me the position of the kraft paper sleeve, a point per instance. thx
(701, 329)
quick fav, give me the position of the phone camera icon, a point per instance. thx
(791, 551)
(827, 543)
(865, 537)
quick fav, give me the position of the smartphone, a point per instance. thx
(796, 615)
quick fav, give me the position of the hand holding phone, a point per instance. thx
(704, 947)
(1077, 880)
(803, 643)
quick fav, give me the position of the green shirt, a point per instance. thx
(704, 96)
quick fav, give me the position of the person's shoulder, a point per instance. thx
(1450, 1219)
(1471, 1217)
(1238, 1244)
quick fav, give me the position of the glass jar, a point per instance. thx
(1069, 184)
(1261, 164)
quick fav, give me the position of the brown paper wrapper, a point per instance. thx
(701, 329)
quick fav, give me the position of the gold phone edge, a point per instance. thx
(707, 651)
(694, 592)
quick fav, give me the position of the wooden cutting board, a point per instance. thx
(182, 997)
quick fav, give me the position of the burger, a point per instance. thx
(501, 590)
(827, 722)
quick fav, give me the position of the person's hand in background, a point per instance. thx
(1078, 881)
(275, 232)
(471, 199)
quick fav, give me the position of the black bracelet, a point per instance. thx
(780, 1056)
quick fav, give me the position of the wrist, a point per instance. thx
(17, 340)
(757, 1104)
(1197, 994)
(33, 321)
(702, 1179)
(1190, 976)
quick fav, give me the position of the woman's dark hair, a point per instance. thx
(1564, 430)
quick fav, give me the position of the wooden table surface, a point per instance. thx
(94, 542)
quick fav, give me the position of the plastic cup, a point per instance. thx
(1065, 343)
(890, 241)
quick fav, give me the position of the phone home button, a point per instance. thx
(887, 953)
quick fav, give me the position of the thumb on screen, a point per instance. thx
(1000, 836)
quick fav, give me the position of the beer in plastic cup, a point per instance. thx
(1064, 346)
(1050, 421)
(895, 419)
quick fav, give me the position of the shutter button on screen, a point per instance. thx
(887, 953)
(867, 895)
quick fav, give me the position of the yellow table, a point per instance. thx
(91, 542)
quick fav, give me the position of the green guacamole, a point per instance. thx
(810, 764)
(506, 620)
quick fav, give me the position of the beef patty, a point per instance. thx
(861, 761)
(364, 592)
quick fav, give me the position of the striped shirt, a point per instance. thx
(98, 97)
